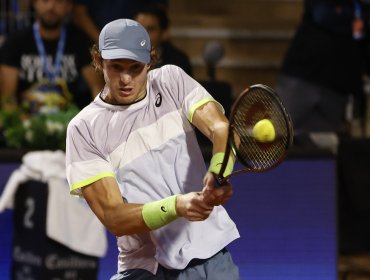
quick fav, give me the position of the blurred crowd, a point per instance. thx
(45, 61)
(321, 80)
(45, 48)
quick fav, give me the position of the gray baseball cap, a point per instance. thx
(125, 38)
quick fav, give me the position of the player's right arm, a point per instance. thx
(120, 218)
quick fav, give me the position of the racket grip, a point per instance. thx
(219, 181)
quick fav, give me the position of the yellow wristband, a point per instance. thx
(156, 214)
(216, 162)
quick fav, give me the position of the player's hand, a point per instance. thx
(215, 196)
(192, 206)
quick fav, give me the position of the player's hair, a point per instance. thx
(97, 59)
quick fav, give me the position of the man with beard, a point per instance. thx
(41, 66)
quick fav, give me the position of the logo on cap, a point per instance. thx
(142, 43)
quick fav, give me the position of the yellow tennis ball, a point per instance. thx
(264, 131)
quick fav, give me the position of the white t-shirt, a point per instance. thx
(151, 149)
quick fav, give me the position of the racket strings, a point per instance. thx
(254, 106)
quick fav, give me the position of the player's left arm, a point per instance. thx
(212, 122)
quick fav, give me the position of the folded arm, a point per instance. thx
(211, 121)
(106, 201)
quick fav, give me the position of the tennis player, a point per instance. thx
(133, 155)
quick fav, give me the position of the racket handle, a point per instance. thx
(219, 181)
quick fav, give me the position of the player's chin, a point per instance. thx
(123, 99)
(127, 94)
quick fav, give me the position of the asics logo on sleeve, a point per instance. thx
(158, 99)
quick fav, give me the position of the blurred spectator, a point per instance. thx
(14, 15)
(157, 23)
(323, 69)
(40, 66)
(92, 15)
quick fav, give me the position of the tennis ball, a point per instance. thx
(264, 131)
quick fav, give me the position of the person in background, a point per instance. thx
(323, 68)
(40, 66)
(92, 15)
(133, 155)
(157, 23)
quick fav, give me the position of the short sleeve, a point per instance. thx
(85, 164)
(189, 93)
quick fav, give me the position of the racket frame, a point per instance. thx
(230, 145)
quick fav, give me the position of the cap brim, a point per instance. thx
(138, 55)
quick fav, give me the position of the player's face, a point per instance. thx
(51, 13)
(151, 24)
(125, 79)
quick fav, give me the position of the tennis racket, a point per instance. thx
(258, 102)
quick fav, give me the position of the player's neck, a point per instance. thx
(50, 34)
(106, 97)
